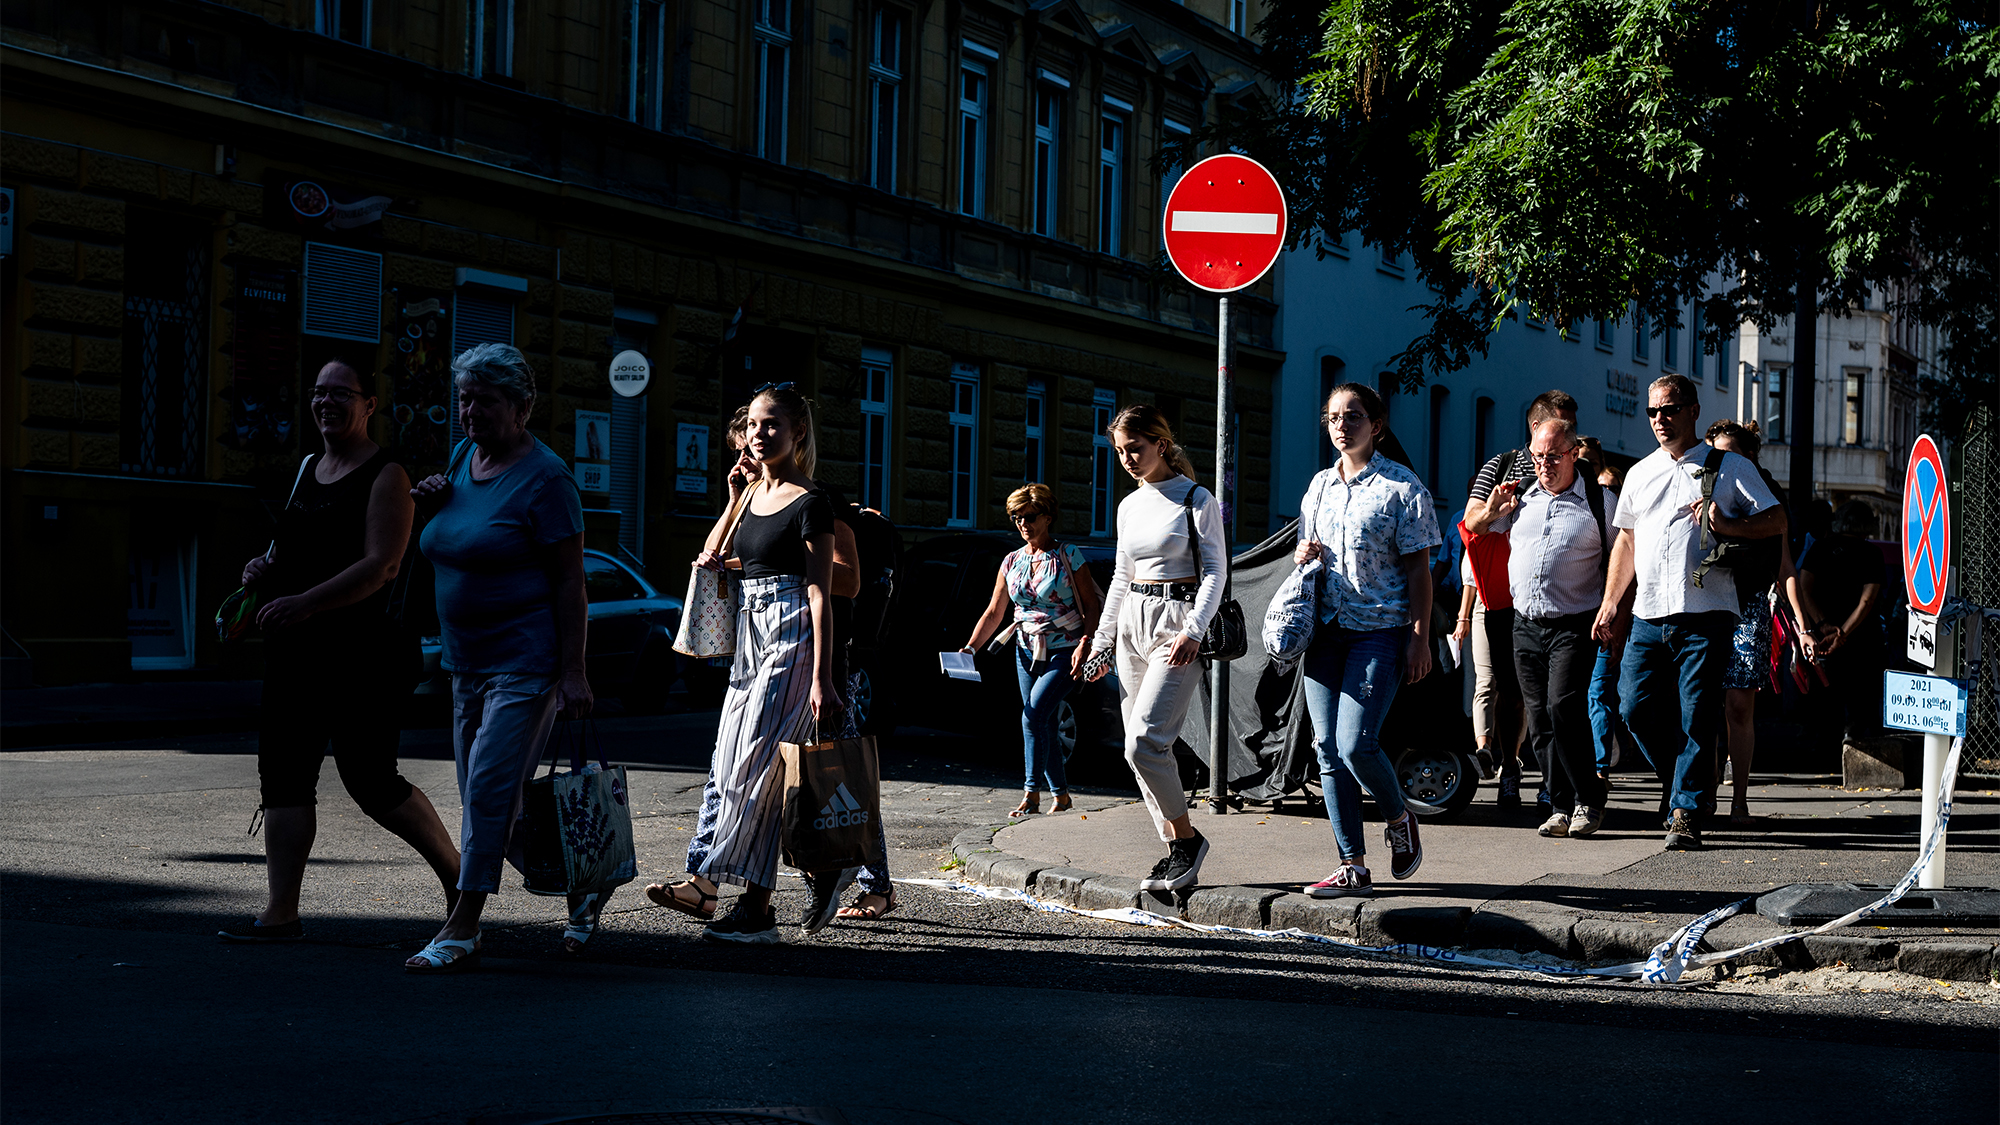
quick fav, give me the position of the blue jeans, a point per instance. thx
(1670, 690)
(499, 727)
(1041, 749)
(1351, 678)
(1604, 721)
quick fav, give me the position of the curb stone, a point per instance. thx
(1523, 927)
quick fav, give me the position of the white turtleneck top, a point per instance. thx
(1153, 547)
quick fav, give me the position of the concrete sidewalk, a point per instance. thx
(1489, 882)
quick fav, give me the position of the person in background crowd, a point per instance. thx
(1371, 520)
(1750, 663)
(781, 687)
(1159, 606)
(1671, 679)
(1607, 730)
(336, 667)
(1055, 612)
(1840, 583)
(507, 545)
(1560, 537)
(1496, 690)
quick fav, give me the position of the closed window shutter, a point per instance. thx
(343, 293)
(628, 470)
(477, 319)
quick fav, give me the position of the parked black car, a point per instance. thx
(946, 583)
(629, 651)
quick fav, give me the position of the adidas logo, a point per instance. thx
(842, 811)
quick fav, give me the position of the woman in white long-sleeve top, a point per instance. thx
(1160, 602)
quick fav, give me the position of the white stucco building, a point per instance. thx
(1341, 319)
(1865, 401)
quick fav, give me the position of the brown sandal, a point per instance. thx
(859, 913)
(669, 897)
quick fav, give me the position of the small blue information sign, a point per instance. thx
(1931, 704)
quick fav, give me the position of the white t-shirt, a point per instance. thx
(1153, 547)
(1667, 546)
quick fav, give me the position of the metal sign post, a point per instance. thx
(1928, 581)
(1225, 226)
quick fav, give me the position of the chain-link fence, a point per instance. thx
(1975, 532)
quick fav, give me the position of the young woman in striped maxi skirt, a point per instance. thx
(781, 685)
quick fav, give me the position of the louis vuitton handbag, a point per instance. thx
(708, 614)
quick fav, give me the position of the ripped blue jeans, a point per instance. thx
(1351, 678)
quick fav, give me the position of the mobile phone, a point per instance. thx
(1099, 663)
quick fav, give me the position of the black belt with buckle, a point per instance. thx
(1177, 591)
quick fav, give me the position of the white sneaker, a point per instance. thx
(1585, 820)
(1556, 825)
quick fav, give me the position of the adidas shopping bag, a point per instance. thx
(833, 804)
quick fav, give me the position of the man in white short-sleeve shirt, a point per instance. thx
(1670, 682)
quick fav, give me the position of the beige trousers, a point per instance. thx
(1155, 698)
(1490, 712)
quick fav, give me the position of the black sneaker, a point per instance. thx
(825, 888)
(253, 933)
(739, 926)
(1682, 835)
(1406, 848)
(1179, 869)
(1510, 785)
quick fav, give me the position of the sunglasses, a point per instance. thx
(772, 387)
(1667, 411)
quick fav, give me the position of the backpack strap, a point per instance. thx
(1711, 469)
(1594, 492)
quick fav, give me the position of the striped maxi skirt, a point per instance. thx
(769, 702)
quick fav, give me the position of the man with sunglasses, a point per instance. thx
(1671, 679)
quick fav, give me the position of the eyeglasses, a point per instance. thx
(772, 387)
(1348, 421)
(334, 394)
(1667, 411)
(1024, 517)
(1552, 458)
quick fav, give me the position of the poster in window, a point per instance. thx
(691, 463)
(593, 435)
(420, 398)
(263, 354)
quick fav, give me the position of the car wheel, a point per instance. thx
(1436, 783)
(1066, 729)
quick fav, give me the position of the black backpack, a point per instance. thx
(880, 546)
(1753, 561)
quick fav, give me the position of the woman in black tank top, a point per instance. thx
(336, 668)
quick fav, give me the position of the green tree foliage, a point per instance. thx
(1589, 155)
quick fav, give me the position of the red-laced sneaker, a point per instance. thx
(1406, 851)
(1346, 881)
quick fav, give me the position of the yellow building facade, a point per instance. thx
(941, 221)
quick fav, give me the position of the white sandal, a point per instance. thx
(443, 955)
(582, 925)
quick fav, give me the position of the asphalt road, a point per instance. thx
(117, 864)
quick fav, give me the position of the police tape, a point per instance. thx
(1666, 965)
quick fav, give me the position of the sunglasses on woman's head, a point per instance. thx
(1668, 410)
(773, 387)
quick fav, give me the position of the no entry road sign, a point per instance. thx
(1926, 527)
(1225, 223)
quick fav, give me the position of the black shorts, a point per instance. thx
(347, 697)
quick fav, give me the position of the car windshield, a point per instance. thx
(604, 580)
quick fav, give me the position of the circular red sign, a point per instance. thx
(1926, 527)
(1225, 223)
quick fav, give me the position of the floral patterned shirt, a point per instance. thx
(1042, 589)
(1367, 525)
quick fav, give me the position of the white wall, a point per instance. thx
(1356, 309)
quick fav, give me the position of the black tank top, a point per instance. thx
(322, 532)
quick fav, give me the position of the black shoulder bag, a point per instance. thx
(1227, 637)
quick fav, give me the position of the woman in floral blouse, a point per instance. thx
(1055, 611)
(1371, 520)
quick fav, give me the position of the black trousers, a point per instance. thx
(1555, 657)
